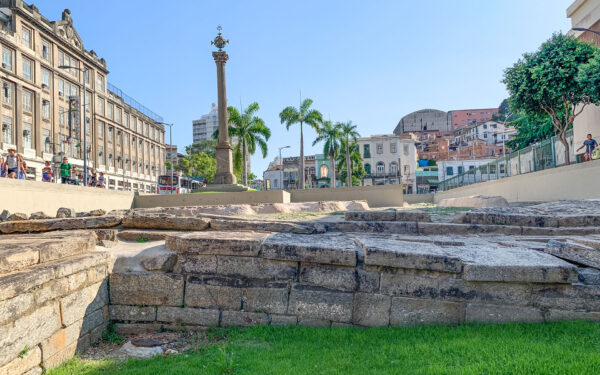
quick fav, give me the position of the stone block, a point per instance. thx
(64, 355)
(217, 243)
(562, 232)
(371, 310)
(243, 318)
(65, 212)
(259, 225)
(13, 308)
(187, 315)
(35, 371)
(590, 276)
(574, 252)
(17, 259)
(428, 229)
(567, 297)
(132, 313)
(408, 254)
(32, 359)
(412, 215)
(267, 298)
(368, 280)
(97, 212)
(413, 311)
(474, 201)
(313, 322)
(149, 234)
(407, 283)
(484, 292)
(327, 249)
(137, 328)
(28, 331)
(145, 289)
(334, 277)
(14, 284)
(579, 221)
(391, 227)
(106, 234)
(502, 314)
(553, 315)
(79, 304)
(27, 226)
(97, 273)
(256, 268)
(283, 320)
(387, 215)
(321, 303)
(164, 262)
(213, 293)
(200, 264)
(164, 221)
(17, 216)
(67, 246)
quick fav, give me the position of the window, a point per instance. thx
(61, 87)
(126, 139)
(380, 148)
(485, 135)
(99, 83)
(405, 147)
(7, 130)
(27, 135)
(46, 109)
(45, 50)
(27, 101)
(46, 78)
(118, 115)
(460, 169)
(323, 171)
(126, 120)
(7, 58)
(88, 100)
(393, 167)
(485, 126)
(380, 167)
(100, 129)
(109, 110)
(100, 106)
(110, 134)
(26, 36)
(62, 113)
(47, 140)
(393, 147)
(86, 76)
(487, 151)
(368, 169)
(406, 170)
(146, 130)
(100, 154)
(7, 90)
(27, 68)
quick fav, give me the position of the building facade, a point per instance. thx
(389, 159)
(464, 117)
(450, 168)
(205, 126)
(424, 120)
(42, 104)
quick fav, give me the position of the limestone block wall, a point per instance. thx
(199, 199)
(217, 278)
(53, 300)
(376, 196)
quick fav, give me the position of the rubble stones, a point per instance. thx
(39, 216)
(97, 212)
(65, 212)
(17, 216)
(4, 215)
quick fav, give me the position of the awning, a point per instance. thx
(433, 181)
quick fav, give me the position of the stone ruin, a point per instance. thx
(186, 269)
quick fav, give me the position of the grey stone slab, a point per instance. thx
(200, 264)
(574, 252)
(579, 221)
(268, 298)
(553, 315)
(413, 311)
(502, 314)
(136, 328)
(187, 315)
(562, 232)
(405, 254)
(428, 229)
(389, 227)
(256, 268)
(213, 293)
(217, 243)
(243, 318)
(264, 226)
(459, 290)
(334, 277)
(320, 303)
(412, 215)
(409, 283)
(590, 276)
(26, 226)
(567, 297)
(132, 313)
(284, 320)
(371, 310)
(146, 289)
(313, 322)
(387, 215)
(368, 280)
(164, 221)
(326, 248)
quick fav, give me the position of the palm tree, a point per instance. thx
(250, 131)
(291, 115)
(348, 132)
(330, 134)
(356, 162)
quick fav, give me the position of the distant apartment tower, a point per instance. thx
(465, 117)
(204, 127)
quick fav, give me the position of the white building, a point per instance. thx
(204, 127)
(273, 178)
(485, 131)
(389, 159)
(451, 168)
(503, 135)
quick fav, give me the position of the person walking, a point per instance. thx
(65, 171)
(47, 172)
(12, 163)
(22, 170)
(590, 144)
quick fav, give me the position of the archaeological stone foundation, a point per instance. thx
(62, 280)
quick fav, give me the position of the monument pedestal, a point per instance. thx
(224, 173)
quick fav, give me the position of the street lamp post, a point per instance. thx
(170, 144)
(281, 162)
(82, 119)
(584, 29)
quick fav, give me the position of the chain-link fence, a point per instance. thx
(547, 154)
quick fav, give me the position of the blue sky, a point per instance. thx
(371, 62)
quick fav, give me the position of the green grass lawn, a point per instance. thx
(549, 348)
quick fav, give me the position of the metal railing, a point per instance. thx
(547, 154)
(133, 103)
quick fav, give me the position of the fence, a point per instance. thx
(133, 103)
(547, 154)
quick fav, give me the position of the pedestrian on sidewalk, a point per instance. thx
(65, 171)
(23, 170)
(590, 144)
(12, 163)
(101, 180)
(47, 172)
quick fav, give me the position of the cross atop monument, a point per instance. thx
(219, 40)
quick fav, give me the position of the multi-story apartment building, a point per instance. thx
(389, 159)
(205, 126)
(464, 117)
(41, 104)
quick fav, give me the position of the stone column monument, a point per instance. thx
(224, 156)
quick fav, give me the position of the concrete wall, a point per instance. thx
(204, 199)
(32, 196)
(376, 196)
(418, 198)
(578, 181)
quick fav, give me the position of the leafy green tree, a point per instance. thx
(356, 164)
(250, 131)
(348, 133)
(503, 111)
(208, 147)
(291, 115)
(330, 135)
(530, 129)
(552, 82)
(197, 164)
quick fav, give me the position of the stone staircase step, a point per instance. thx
(23, 251)
(164, 221)
(388, 215)
(46, 225)
(149, 234)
